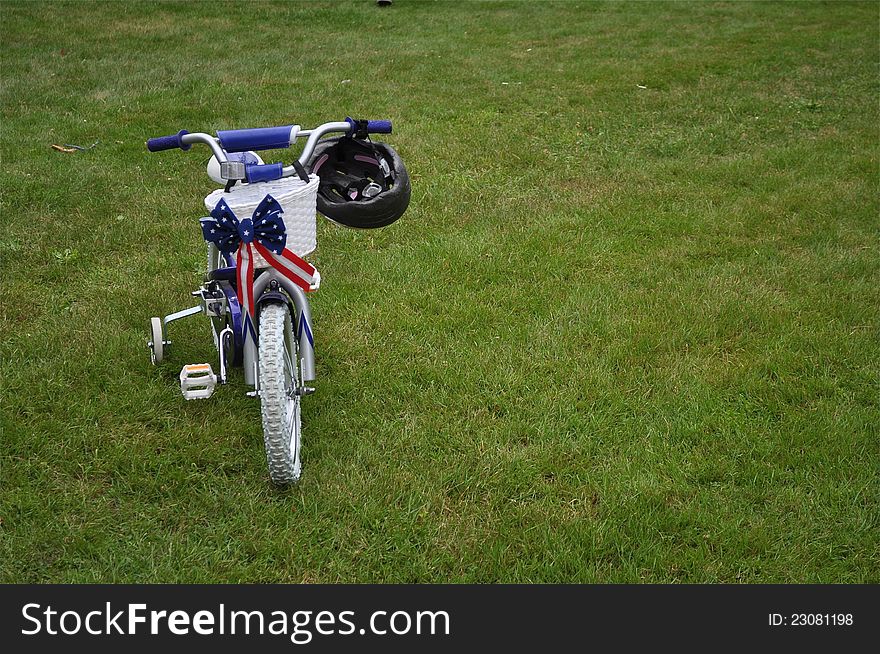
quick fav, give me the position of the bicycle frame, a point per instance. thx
(301, 311)
(247, 347)
(219, 294)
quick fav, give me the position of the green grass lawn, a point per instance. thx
(628, 330)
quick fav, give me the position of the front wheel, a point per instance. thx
(279, 399)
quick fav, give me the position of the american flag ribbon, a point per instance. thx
(265, 232)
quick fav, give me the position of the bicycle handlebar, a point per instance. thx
(168, 142)
(261, 138)
(264, 172)
(379, 126)
(359, 127)
(265, 138)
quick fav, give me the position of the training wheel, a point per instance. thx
(156, 343)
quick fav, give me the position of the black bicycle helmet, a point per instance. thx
(364, 184)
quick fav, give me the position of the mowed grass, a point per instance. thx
(627, 330)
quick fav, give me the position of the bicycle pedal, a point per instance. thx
(197, 381)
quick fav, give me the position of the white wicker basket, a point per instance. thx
(298, 199)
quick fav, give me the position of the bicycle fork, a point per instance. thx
(267, 288)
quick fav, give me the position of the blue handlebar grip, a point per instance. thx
(260, 138)
(168, 142)
(379, 126)
(360, 127)
(263, 172)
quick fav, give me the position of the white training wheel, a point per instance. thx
(157, 349)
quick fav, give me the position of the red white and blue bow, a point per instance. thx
(264, 231)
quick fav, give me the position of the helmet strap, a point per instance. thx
(384, 168)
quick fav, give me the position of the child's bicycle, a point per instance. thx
(262, 224)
